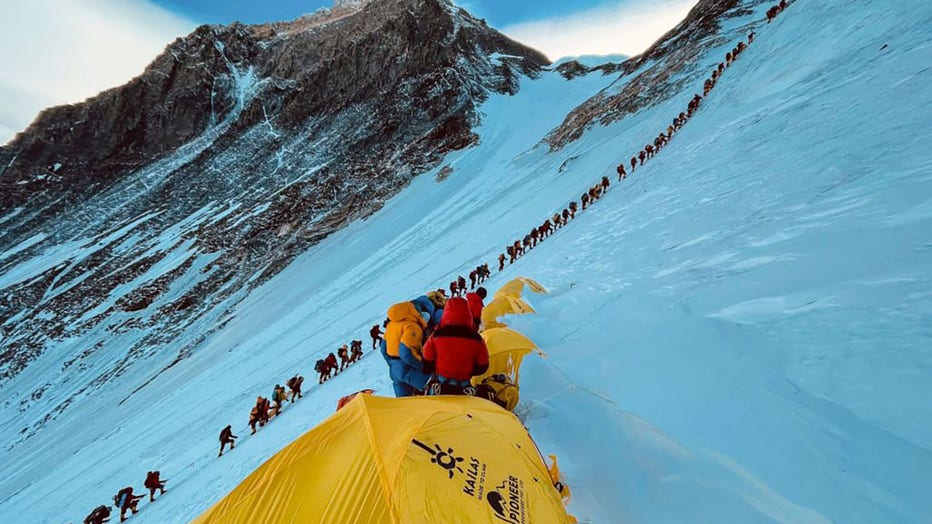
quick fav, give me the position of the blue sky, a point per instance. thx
(56, 52)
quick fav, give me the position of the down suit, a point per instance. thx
(455, 351)
(401, 348)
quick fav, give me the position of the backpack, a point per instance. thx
(121, 497)
(319, 367)
(100, 512)
(500, 390)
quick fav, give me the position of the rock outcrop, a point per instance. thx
(160, 203)
(659, 72)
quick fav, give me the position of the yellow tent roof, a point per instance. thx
(516, 286)
(443, 459)
(506, 305)
(506, 349)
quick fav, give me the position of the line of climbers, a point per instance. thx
(125, 500)
(264, 409)
(775, 10)
(434, 340)
(432, 343)
(476, 277)
(537, 234)
(327, 367)
(432, 346)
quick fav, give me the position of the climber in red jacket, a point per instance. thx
(455, 352)
(475, 304)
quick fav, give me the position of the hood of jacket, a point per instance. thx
(405, 312)
(457, 313)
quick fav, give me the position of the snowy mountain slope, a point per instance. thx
(736, 333)
(161, 203)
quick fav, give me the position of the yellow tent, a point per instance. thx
(516, 286)
(443, 459)
(506, 305)
(506, 349)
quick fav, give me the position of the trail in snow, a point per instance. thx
(740, 333)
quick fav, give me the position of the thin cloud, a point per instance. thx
(624, 27)
(63, 51)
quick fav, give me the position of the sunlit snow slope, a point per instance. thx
(739, 332)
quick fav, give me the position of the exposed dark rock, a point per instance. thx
(237, 148)
(659, 72)
(572, 69)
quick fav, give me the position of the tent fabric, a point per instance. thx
(450, 459)
(507, 301)
(507, 305)
(516, 286)
(346, 400)
(506, 349)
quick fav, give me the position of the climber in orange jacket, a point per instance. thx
(401, 348)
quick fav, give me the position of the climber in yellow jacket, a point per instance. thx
(401, 348)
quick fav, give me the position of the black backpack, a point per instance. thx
(319, 366)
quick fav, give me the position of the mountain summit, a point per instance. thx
(236, 149)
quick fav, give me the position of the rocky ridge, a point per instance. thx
(658, 73)
(155, 206)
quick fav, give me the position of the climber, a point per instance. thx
(153, 482)
(472, 279)
(501, 259)
(278, 397)
(254, 419)
(125, 500)
(585, 200)
(461, 285)
(226, 437)
(535, 236)
(343, 353)
(356, 351)
(100, 515)
(431, 307)
(294, 384)
(258, 414)
(605, 183)
(641, 156)
(573, 209)
(376, 335)
(595, 192)
(455, 352)
(475, 304)
(321, 368)
(331, 362)
(634, 163)
(401, 349)
(622, 173)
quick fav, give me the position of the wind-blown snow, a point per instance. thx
(739, 332)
